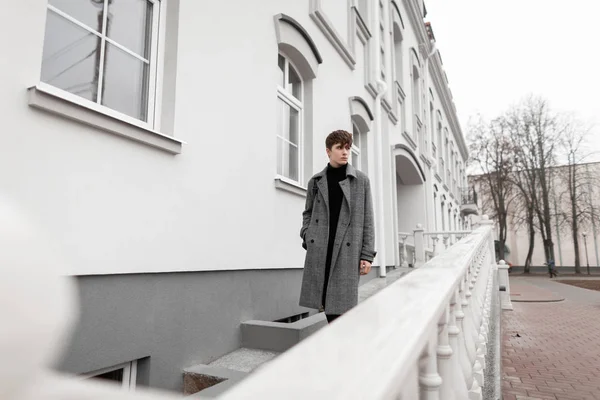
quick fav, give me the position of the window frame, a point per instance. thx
(287, 97)
(154, 67)
(129, 374)
(356, 150)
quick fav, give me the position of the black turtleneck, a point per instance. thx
(334, 177)
(336, 196)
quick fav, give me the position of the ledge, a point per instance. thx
(319, 17)
(409, 140)
(288, 185)
(426, 160)
(55, 101)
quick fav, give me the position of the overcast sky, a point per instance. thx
(496, 52)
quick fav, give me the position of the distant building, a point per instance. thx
(517, 243)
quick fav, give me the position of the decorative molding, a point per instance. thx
(370, 87)
(296, 25)
(47, 98)
(363, 104)
(401, 91)
(399, 13)
(387, 107)
(426, 160)
(411, 153)
(416, 20)
(361, 25)
(289, 186)
(438, 177)
(410, 140)
(393, 117)
(345, 49)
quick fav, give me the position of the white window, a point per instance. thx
(289, 121)
(356, 146)
(124, 375)
(104, 52)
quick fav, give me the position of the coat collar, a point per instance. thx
(350, 171)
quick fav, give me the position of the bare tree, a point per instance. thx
(524, 211)
(577, 211)
(491, 154)
(534, 131)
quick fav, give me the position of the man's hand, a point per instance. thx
(365, 267)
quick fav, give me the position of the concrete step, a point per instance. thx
(279, 336)
(210, 380)
(244, 359)
(262, 341)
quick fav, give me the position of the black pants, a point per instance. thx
(331, 317)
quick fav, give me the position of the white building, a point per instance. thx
(166, 145)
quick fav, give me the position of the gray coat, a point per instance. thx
(354, 241)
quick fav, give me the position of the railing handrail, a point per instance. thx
(448, 233)
(363, 345)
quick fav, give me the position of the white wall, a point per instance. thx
(119, 206)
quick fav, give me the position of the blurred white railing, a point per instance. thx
(423, 337)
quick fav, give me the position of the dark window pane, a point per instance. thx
(125, 85)
(71, 57)
(88, 12)
(281, 63)
(130, 24)
(295, 84)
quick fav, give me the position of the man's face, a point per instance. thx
(338, 155)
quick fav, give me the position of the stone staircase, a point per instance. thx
(261, 342)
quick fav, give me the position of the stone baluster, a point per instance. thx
(463, 338)
(403, 251)
(445, 241)
(444, 359)
(429, 378)
(458, 360)
(410, 386)
(434, 240)
(419, 255)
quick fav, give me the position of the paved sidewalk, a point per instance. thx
(523, 291)
(551, 350)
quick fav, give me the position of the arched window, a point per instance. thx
(356, 146)
(297, 61)
(361, 117)
(289, 121)
(435, 196)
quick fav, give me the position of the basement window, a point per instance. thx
(293, 318)
(124, 375)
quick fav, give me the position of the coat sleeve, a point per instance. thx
(307, 213)
(368, 252)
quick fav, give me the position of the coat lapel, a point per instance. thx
(322, 185)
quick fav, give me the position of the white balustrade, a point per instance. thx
(440, 311)
(422, 337)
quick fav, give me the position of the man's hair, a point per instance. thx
(338, 137)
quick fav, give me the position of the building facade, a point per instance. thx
(166, 145)
(587, 186)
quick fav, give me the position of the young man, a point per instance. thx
(337, 231)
